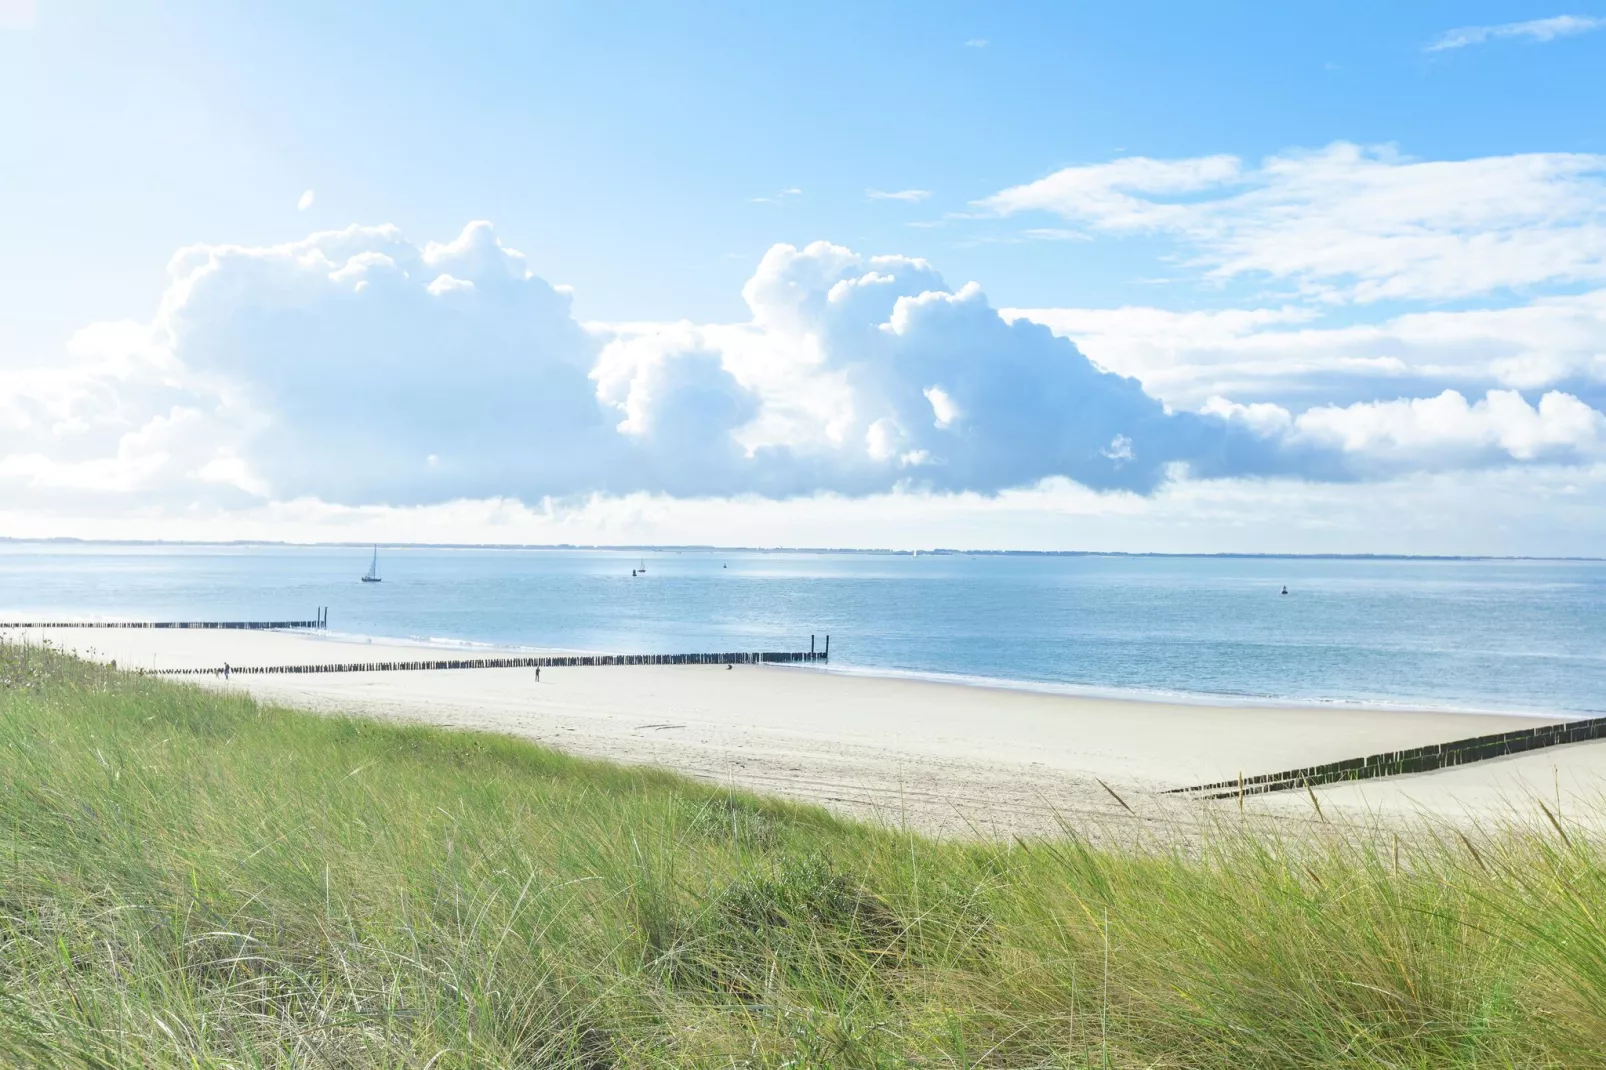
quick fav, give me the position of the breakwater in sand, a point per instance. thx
(533, 661)
(321, 620)
(1412, 760)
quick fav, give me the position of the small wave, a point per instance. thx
(1183, 698)
(437, 642)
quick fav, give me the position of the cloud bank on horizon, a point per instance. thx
(357, 367)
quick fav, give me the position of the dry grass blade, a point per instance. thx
(1114, 796)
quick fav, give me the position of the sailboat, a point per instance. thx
(372, 575)
(643, 568)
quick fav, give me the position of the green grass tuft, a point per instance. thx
(191, 879)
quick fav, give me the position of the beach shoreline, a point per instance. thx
(407, 648)
(941, 757)
(1202, 699)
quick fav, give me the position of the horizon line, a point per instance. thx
(712, 548)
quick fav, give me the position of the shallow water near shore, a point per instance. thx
(1457, 634)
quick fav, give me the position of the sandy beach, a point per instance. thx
(941, 757)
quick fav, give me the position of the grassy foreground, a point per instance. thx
(190, 879)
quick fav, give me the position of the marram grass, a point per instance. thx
(190, 879)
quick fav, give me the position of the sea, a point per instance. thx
(1463, 634)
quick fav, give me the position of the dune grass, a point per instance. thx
(191, 879)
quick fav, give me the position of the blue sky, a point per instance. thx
(1293, 325)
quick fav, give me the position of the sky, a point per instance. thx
(1149, 277)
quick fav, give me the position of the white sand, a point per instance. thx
(937, 756)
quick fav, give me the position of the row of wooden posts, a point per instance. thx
(538, 661)
(535, 661)
(1413, 760)
(321, 620)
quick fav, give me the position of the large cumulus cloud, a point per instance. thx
(358, 367)
(350, 366)
(860, 373)
(380, 370)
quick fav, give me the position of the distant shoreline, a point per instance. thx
(69, 540)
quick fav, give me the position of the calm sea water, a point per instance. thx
(1493, 635)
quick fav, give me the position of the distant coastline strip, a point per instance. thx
(534, 661)
(246, 625)
(1415, 760)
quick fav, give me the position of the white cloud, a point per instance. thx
(1448, 430)
(355, 368)
(1182, 357)
(1351, 224)
(780, 196)
(1187, 357)
(857, 372)
(1442, 432)
(1536, 30)
(1055, 234)
(1112, 194)
(976, 42)
(445, 284)
(945, 411)
(323, 366)
(1264, 417)
(1119, 449)
(305, 200)
(908, 196)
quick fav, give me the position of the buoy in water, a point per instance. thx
(1285, 589)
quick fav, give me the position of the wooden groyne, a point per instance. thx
(1414, 760)
(319, 621)
(533, 661)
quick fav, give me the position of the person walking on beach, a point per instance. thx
(538, 674)
(225, 670)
